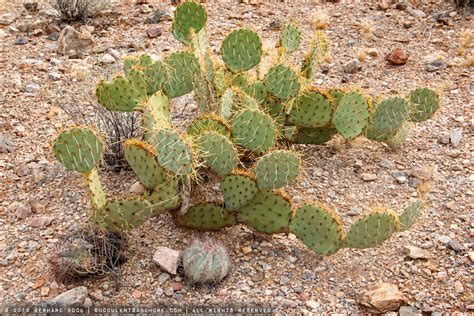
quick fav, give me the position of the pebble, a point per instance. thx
(416, 13)
(53, 36)
(435, 66)
(87, 302)
(42, 221)
(159, 292)
(31, 87)
(167, 259)
(157, 17)
(163, 277)
(169, 291)
(456, 245)
(107, 59)
(246, 250)
(458, 287)
(74, 296)
(416, 253)
(352, 66)
(354, 211)
(55, 76)
(426, 245)
(408, 311)
(284, 280)
(7, 18)
(455, 137)
(21, 41)
(153, 32)
(368, 176)
(444, 239)
(398, 56)
(22, 211)
(312, 304)
(22, 170)
(137, 187)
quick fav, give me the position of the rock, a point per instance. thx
(145, 9)
(458, 287)
(382, 297)
(6, 144)
(455, 137)
(86, 29)
(352, 66)
(372, 52)
(137, 187)
(31, 87)
(158, 17)
(383, 5)
(167, 259)
(163, 277)
(153, 32)
(74, 43)
(368, 176)
(471, 256)
(55, 76)
(53, 36)
(456, 245)
(444, 239)
(312, 304)
(22, 211)
(21, 41)
(444, 139)
(22, 170)
(354, 211)
(284, 280)
(74, 296)
(159, 292)
(87, 303)
(416, 253)
(426, 245)
(31, 6)
(408, 311)
(398, 56)
(169, 291)
(44, 291)
(176, 286)
(416, 13)
(246, 250)
(435, 66)
(42, 221)
(114, 53)
(7, 18)
(107, 59)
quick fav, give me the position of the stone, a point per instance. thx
(159, 292)
(22, 170)
(352, 66)
(44, 291)
(74, 43)
(158, 17)
(107, 59)
(471, 256)
(456, 245)
(383, 5)
(284, 280)
(114, 53)
(153, 32)
(397, 56)
(42, 221)
(55, 76)
(435, 66)
(416, 13)
(372, 52)
(368, 176)
(6, 144)
(408, 311)
(21, 41)
(455, 137)
(31, 87)
(246, 250)
(137, 188)
(354, 211)
(163, 277)
(169, 291)
(86, 28)
(382, 297)
(74, 296)
(176, 286)
(167, 259)
(458, 287)
(53, 36)
(7, 18)
(31, 6)
(312, 304)
(22, 211)
(87, 303)
(416, 253)
(444, 239)
(145, 9)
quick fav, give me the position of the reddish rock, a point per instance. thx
(42, 221)
(153, 32)
(398, 56)
(22, 212)
(177, 286)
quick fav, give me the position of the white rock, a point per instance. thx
(382, 297)
(312, 304)
(72, 42)
(31, 87)
(55, 76)
(167, 259)
(416, 253)
(107, 59)
(7, 18)
(455, 137)
(136, 187)
(74, 296)
(444, 239)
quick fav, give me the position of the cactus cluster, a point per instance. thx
(242, 137)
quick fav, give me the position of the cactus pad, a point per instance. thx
(290, 38)
(241, 50)
(207, 216)
(268, 212)
(218, 152)
(411, 214)
(96, 192)
(143, 61)
(156, 112)
(282, 82)
(120, 215)
(155, 76)
(141, 158)
(164, 197)
(396, 140)
(319, 48)
(238, 190)
(312, 109)
(425, 102)
(371, 230)
(253, 130)
(189, 17)
(277, 110)
(182, 69)
(336, 96)
(173, 153)
(78, 149)
(122, 94)
(317, 228)
(277, 169)
(208, 123)
(318, 135)
(227, 104)
(257, 91)
(388, 116)
(350, 117)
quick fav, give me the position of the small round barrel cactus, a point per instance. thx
(205, 262)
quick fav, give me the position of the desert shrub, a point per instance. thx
(73, 10)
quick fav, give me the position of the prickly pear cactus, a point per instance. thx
(312, 109)
(207, 216)
(290, 37)
(182, 70)
(425, 102)
(205, 262)
(189, 17)
(120, 215)
(411, 214)
(218, 152)
(350, 117)
(277, 169)
(174, 153)
(241, 50)
(387, 118)
(282, 82)
(238, 190)
(253, 129)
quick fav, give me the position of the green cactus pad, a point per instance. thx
(312, 109)
(129, 62)
(189, 17)
(155, 76)
(122, 94)
(141, 158)
(164, 197)
(257, 91)
(282, 82)
(253, 130)
(411, 214)
(336, 96)
(96, 192)
(388, 116)
(156, 111)
(207, 216)
(218, 152)
(290, 38)
(238, 190)
(371, 230)
(208, 123)
(241, 50)
(396, 140)
(350, 117)
(268, 212)
(78, 149)
(425, 102)
(182, 70)
(240, 81)
(317, 228)
(119, 215)
(290, 133)
(318, 135)
(173, 153)
(277, 110)
(277, 169)
(319, 48)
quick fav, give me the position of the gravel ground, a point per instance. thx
(278, 271)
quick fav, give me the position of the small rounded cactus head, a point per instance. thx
(205, 262)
